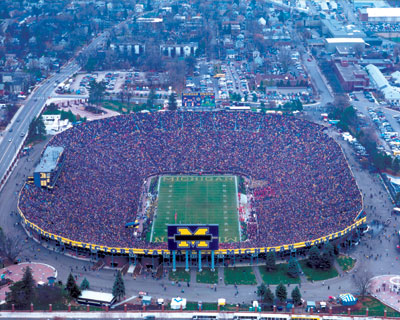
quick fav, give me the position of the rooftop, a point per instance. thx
(351, 72)
(345, 40)
(382, 12)
(338, 30)
(377, 76)
(97, 296)
(49, 160)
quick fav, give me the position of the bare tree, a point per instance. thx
(361, 280)
(11, 246)
(284, 57)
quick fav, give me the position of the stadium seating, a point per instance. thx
(305, 188)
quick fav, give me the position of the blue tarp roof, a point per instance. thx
(348, 299)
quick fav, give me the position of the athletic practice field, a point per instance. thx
(197, 199)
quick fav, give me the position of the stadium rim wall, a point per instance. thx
(156, 252)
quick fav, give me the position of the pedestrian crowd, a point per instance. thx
(305, 189)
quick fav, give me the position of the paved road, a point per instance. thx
(319, 80)
(12, 138)
(14, 135)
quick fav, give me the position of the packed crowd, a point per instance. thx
(310, 190)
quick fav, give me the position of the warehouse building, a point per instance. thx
(331, 44)
(377, 15)
(351, 76)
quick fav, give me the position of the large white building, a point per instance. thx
(54, 124)
(332, 43)
(380, 14)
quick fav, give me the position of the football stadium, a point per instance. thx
(169, 184)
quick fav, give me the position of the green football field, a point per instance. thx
(197, 200)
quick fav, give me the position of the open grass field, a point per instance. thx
(376, 308)
(345, 262)
(207, 276)
(279, 275)
(197, 200)
(240, 275)
(179, 275)
(317, 274)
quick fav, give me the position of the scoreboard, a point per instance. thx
(198, 99)
(193, 237)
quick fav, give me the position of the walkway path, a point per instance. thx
(257, 273)
(382, 288)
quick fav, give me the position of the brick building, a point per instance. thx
(351, 76)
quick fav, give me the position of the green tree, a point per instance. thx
(269, 297)
(270, 261)
(151, 98)
(85, 284)
(75, 292)
(314, 257)
(293, 268)
(28, 284)
(68, 115)
(327, 256)
(37, 129)
(96, 91)
(118, 289)
(172, 105)
(72, 287)
(22, 293)
(296, 296)
(261, 290)
(281, 292)
(52, 107)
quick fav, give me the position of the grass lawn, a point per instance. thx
(213, 306)
(395, 39)
(123, 107)
(375, 308)
(345, 262)
(197, 200)
(239, 275)
(279, 275)
(207, 276)
(179, 275)
(316, 274)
